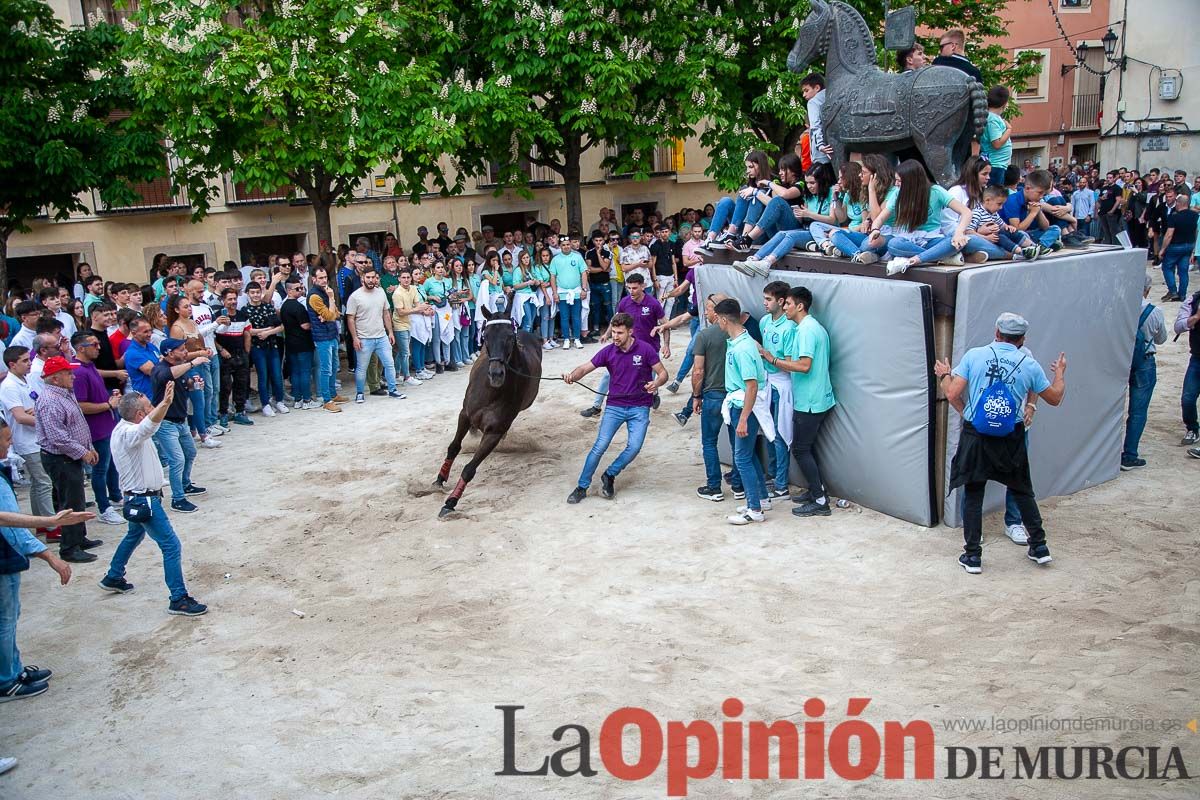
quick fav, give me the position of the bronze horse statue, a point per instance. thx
(504, 382)
(937, 110)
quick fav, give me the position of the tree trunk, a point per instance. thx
(571, 186)
(324, 226)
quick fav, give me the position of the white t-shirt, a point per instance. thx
(68, 323)
(24, 338)
(34, 378)
(203, 317)
(950, 217)
(367, 308)
(136, 457)
(14, 393)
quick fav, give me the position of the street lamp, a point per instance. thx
(1110, 44)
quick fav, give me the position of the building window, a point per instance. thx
(110, 11)
(1037, 85)
(1073, 5)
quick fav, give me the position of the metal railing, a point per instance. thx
(536, 174)
(1087, 111)
(237, 193)
(663, 161)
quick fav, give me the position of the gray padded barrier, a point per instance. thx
(876, 447)
(1086, 306)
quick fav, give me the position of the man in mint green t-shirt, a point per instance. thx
(812, 396)
(566, 280)
(744, 379)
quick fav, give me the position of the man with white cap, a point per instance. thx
(988, 387)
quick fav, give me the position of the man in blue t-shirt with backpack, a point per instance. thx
(989, 387)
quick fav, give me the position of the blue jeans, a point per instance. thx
(1175, 262)
(735, 211)
(783, 243)
(301, 365)
(978, 244)
(1141, 388)
(403, 352)
(160, 530)
(198, 410)
(10, 611)
(270, 374)
(689, 357)
(777, 216)
(744, 458)
(212, 389)
(637, 421)
(380, 348)
(1191, 391)
(545, 323)
(529, 314)
(853, 242)
(104, 475)
(570, 318)
(440, 352)
(781, 458)
(821, 231)
(600, 310)
(462, 339)
(327, 359)
(710, 432)
(932, 251)
(177, 451)
(1046, 238)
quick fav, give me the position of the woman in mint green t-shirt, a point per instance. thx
(916, 231)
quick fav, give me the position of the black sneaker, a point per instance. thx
(1132, 463)
(803, 497)
(184, 506)
(577, 495)
(439, 369)
(186, 607)
(1039, 553)
(813, 509)
(778, 494)
(656, 402)
(739, 494)
(681, 418)
(709, 493)
(971, 564)
(18, 691)
(743, 243)
(90, 544)
(589, 412)
(32, 674)
(451, 367)
(608, 490)
(192, 490)
(116, 585)
(76, 555)
(380, 392)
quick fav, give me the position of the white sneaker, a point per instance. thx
(1017, 533)
(764, 504)
(282, 408)
(897, 266)
(553, 344)
(209, 443)
(412, 381)
(746, 517)
(955, 260)
(215, 430)
(267, 411)
(548, 346)
(578, 345)
(425, 375)
(111, 517)
(312, 405)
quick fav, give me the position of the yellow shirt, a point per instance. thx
(404, 299)
(616, 256)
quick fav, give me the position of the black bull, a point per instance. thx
(504, 382)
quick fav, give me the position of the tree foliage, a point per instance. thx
(315, 94)
(58, 136)
(756, 102)
(575, 75)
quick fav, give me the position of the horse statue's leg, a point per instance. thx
(464, 424)
(486, 445)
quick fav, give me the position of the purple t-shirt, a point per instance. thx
(89, 388)
(629, 371)
(691, 279)
(646, 315)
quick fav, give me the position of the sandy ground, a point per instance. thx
(414, 629)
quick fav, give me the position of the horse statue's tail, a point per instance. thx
(979, 107)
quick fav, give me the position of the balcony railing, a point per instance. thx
(155, 195)
(663, 162)
(237, 193)
(536, 174)
(1087, 111)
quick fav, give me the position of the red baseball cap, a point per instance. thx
(57, 364)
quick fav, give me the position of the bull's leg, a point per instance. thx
(486, 445)
(464, 424)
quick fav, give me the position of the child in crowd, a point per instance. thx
(1012, 239)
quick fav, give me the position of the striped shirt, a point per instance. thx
(61, 427)
(981, 216)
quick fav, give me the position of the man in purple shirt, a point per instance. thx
(646, 313)
(635, 373)
(66, 443)
(97, 405)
